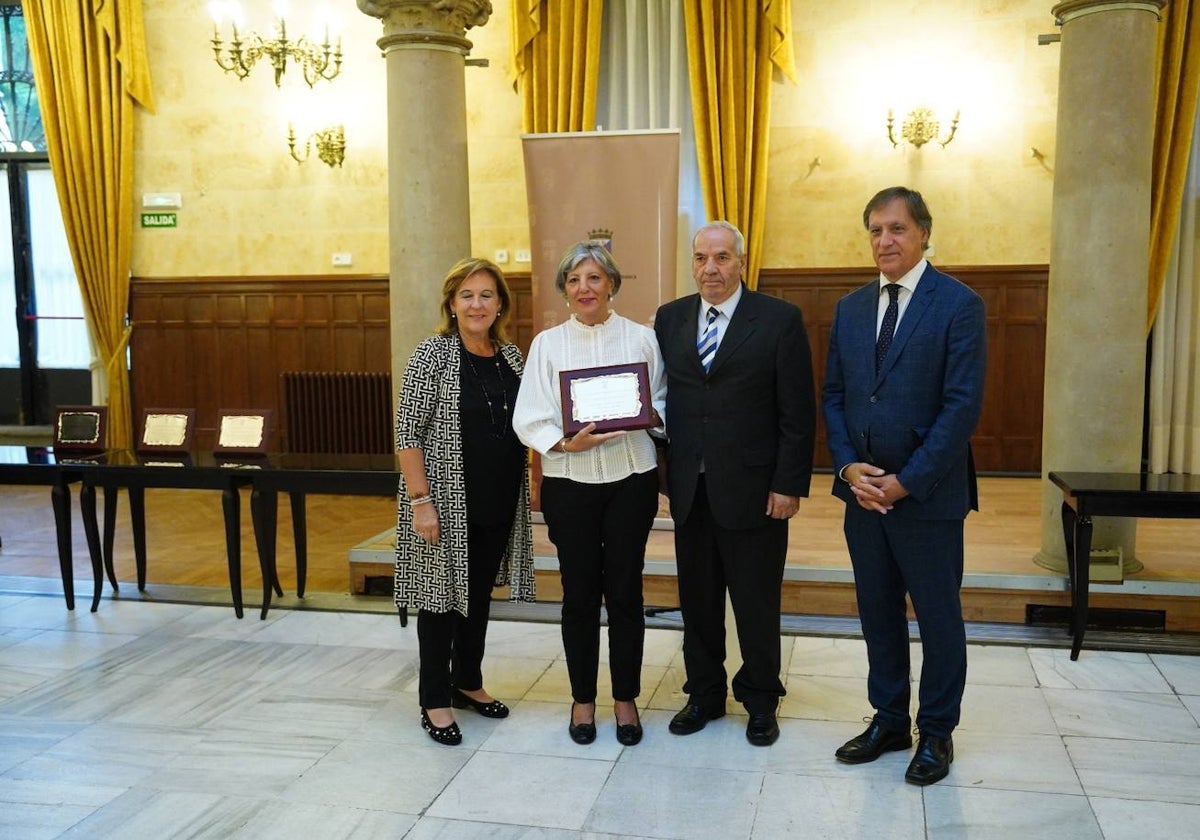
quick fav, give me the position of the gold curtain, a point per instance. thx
(89, 65)
(733, 48)
(1175, 120)
(556, 60)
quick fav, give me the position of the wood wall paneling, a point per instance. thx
(1008, 438)
(212, 343)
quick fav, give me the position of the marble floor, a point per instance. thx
(173, 720)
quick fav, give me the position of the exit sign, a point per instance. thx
(158, 220)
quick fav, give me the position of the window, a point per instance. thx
(44, 351)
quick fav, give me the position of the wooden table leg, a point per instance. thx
(60, 501)
(110, 526)
(137, 518)
(264, 513)
(300, 538)
(231, 504)
(87, 511)
(1068, 524)
(1083, 573)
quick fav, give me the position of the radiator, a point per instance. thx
(338, 412)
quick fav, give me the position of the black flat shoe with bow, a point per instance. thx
(581, 733)
(630, 734)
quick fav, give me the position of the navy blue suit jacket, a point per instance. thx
(916, 416)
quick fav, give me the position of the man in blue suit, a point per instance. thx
(903, 392)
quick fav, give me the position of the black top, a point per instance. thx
(493, 457)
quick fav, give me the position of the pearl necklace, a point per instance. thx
(498, 430)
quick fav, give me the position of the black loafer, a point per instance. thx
(932, 760)
(874, 742)
(494, 709)
(762, 729)
(692, 718)
(581, 733)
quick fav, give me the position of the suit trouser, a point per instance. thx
(749, 563)
(893, 555)
(451, 644)
(600, 532)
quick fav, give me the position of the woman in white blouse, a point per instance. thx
(599, 492)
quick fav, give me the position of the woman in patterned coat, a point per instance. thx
(463, 525)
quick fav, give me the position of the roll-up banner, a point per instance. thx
(618, 188)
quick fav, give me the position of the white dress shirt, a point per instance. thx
(725, 313)
(537, 416)
(908, 285)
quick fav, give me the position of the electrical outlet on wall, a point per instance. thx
(342, 258)
(522, 255)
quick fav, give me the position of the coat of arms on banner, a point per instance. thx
(601, 236)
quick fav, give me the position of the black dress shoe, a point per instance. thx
(450, 736)
(762, 730)
(874, 742)
(494, 709)
(692, 718)
(932, 760)
(581, 733)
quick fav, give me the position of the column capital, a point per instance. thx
(1071, 9)
(427, 24)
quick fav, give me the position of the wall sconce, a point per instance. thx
(920, 127)
(330, 143)
(242, 52)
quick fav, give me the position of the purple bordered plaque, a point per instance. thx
(614, 397)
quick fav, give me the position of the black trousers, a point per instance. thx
(600, 532)
(451, 645)
(891, 556)
(749, 564)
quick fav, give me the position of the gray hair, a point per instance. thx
(739, 241)
(581, 251)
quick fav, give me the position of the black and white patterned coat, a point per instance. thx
(434, 577)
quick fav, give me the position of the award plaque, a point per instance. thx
(80, 428)
(166, 430)
(243, 431)
(614, 397)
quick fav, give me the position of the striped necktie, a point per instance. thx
(707, 345)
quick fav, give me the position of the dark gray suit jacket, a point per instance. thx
(750, 419)
(916, 416)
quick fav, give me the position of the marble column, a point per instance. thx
(1099, 257)
(429, 227)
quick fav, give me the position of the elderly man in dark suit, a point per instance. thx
(903, 391)
(741, 412)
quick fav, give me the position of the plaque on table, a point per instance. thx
(244, 431)
(167, 430)
(80, 428)
(614, 397)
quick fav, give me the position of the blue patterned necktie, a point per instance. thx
(887, 329)
(707, 345)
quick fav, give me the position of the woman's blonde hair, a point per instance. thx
(460, 271)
